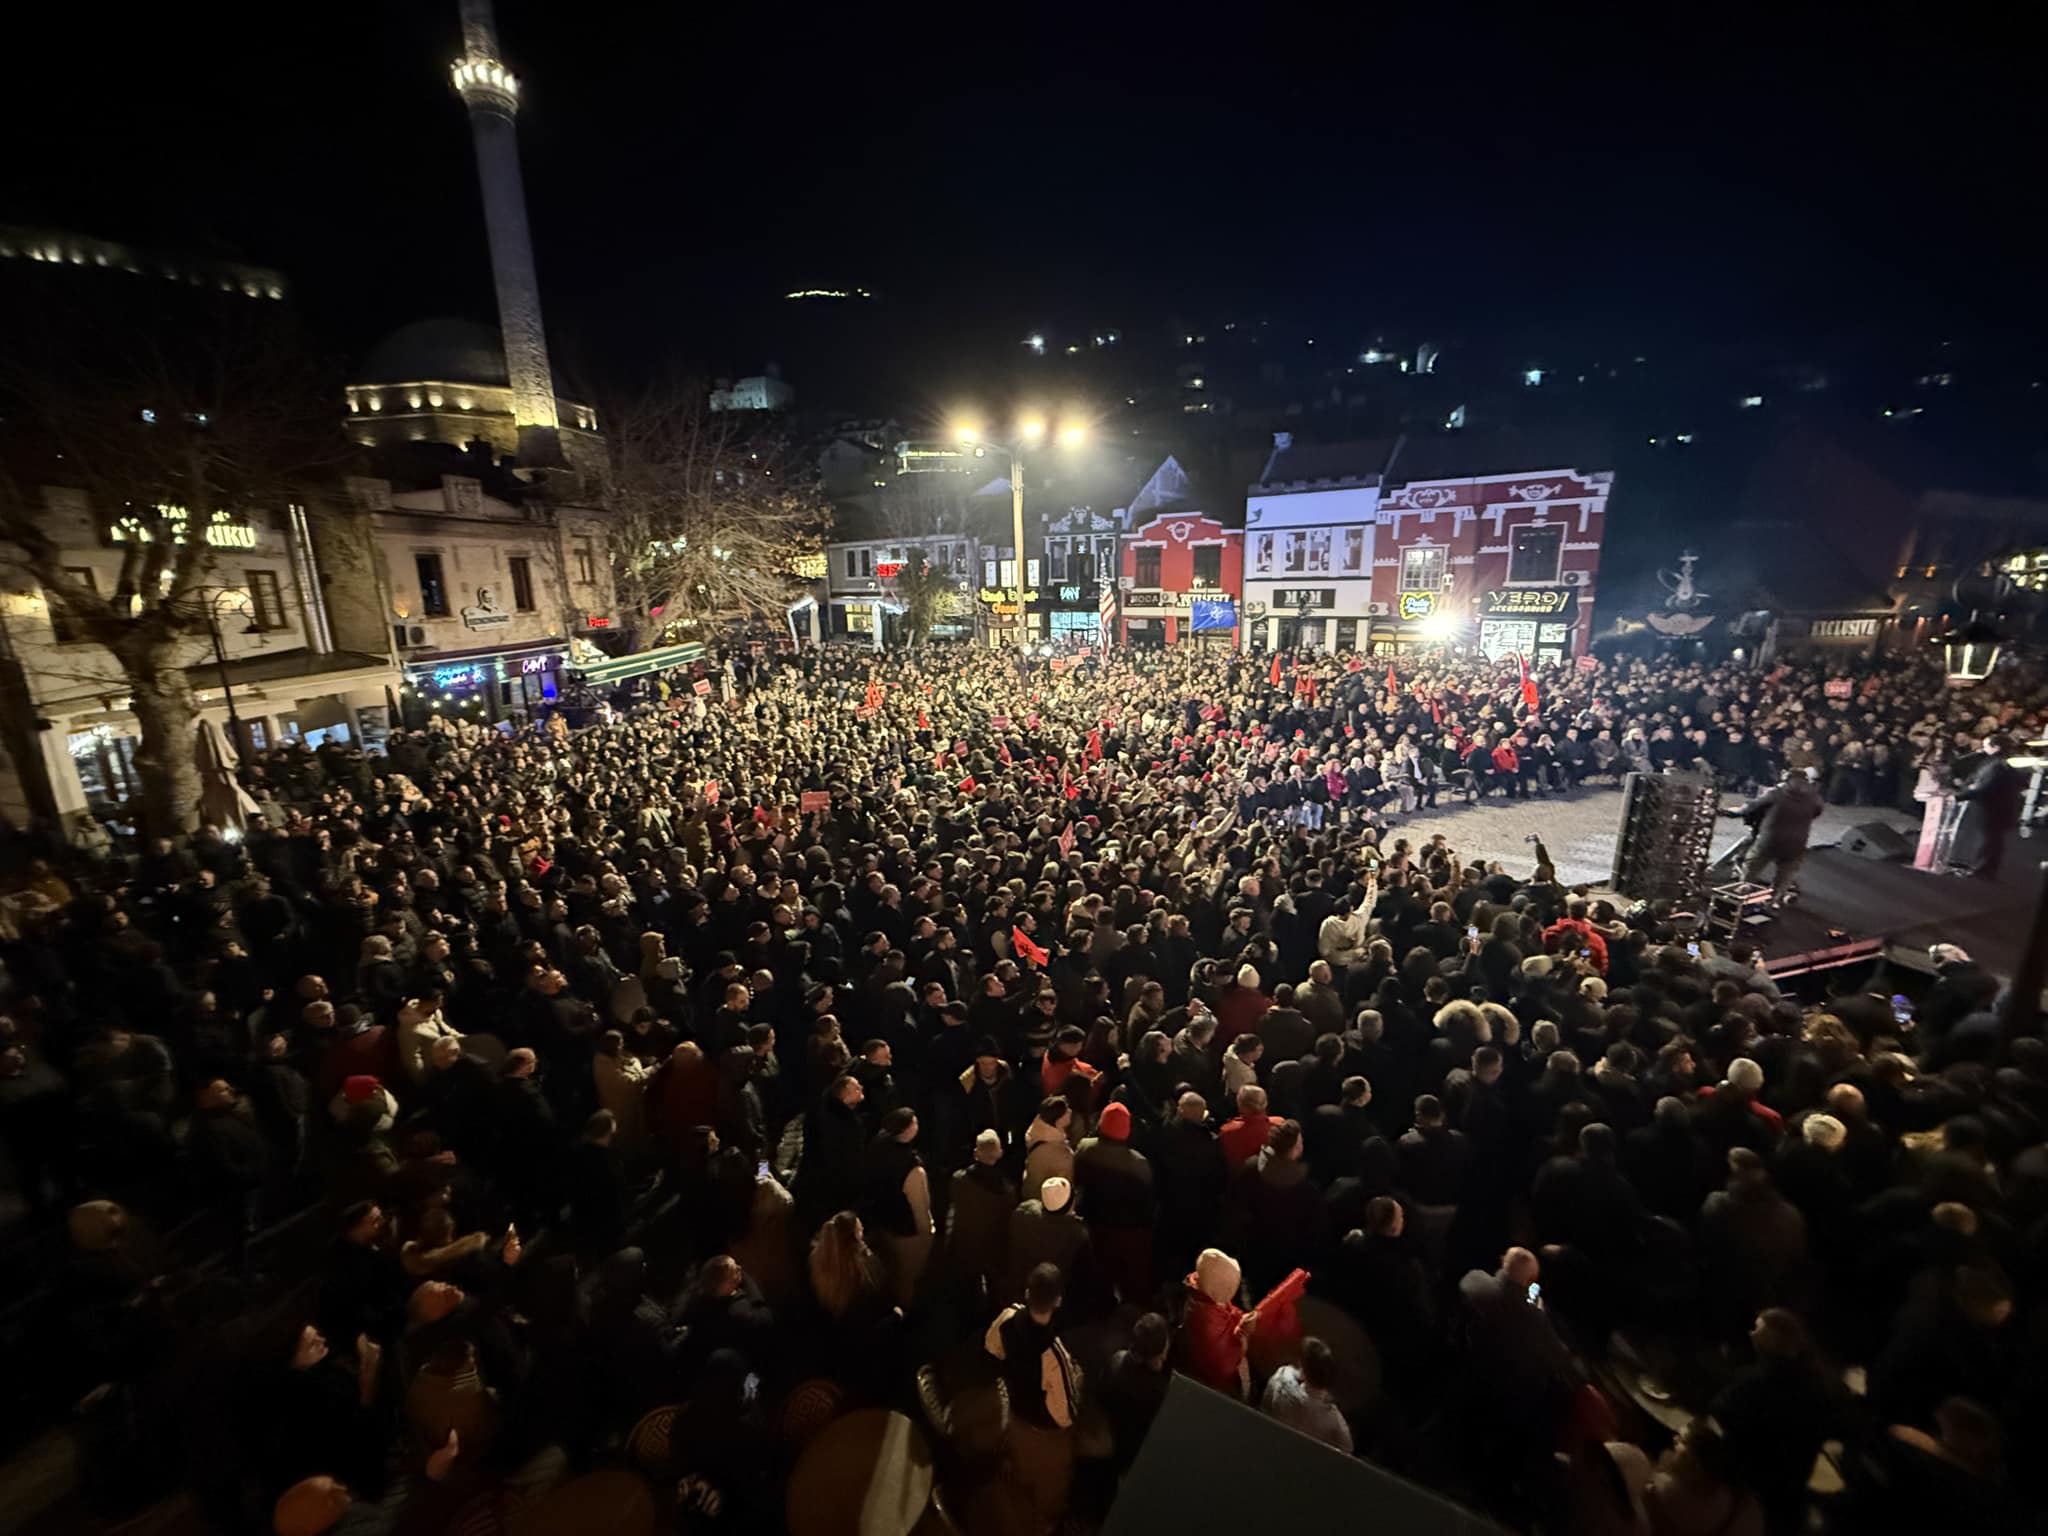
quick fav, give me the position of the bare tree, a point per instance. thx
(158, 440)
(927, 595)
(710, 513)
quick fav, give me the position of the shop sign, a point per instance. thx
(1843, 629)
(532, 664)
(485, 613)
(1305, 597)
(997, 596)
(1070, 594)
(471, 674)
(1159, 599)
(888, 570)
(1415, 605)
(597, 621)
(1529, 603)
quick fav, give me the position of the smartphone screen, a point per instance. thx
(761, 1169)
(1693, 949)
(1535, 1292)
(1471, 930)
(1902, 1008)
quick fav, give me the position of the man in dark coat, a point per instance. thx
(1190, 1173)
(1780, 821)
(1991, 810)
(1115, 1182)
(978, 1214)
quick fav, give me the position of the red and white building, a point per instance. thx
(1504, 561)
(1179, 573)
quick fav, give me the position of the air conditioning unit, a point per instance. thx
(1379, 610)
(1577, 578)
(416, 635)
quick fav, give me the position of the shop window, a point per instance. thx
(1534, 553)
(1148, 569)
(433, 590)
(1294, 552)
(1208, 568)
(1318, 541)
(1262, 552)
(1354, 549)
(1347, 634)
(1422, 568)
(266, 601)
(522, 583)
(63, 628)
(1080, 566)
(586, 563)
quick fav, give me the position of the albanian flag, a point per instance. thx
(1530, 696)
(1026, 950)
(923, 724)
(1273, 677)
(1393, 682)
(1094, 752)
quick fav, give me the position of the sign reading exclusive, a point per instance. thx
(1529, 603)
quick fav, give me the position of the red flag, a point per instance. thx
(923, 724)
(1355, 664)
(1529, 693)
(1094, 752)
(1273, 677)
(711, 792)
(1066, 839)
(1003, 752)
(1393, 682)
(1026, 950)
(874, 695)
(1436, 712)
(967, 785)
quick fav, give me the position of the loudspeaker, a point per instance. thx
(1875, 840)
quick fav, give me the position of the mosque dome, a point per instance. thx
(444, 350)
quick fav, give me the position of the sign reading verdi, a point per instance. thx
(1529, 602)
(1416, 605)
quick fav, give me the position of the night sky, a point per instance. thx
(1670, 175)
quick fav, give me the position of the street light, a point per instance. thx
(1031, 430)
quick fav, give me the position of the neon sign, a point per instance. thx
(469, 675)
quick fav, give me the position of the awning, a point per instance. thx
(640, 663)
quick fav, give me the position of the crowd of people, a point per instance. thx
(933, 1030)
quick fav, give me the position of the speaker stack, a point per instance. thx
(1667, 834)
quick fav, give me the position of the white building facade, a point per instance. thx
(1308, 553)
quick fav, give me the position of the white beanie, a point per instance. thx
(1055, 1194)
(1248, 976)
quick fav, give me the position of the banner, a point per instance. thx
(814, 800)
(1839, 688)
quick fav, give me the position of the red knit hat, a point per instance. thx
(361, 1088)
(1115, 1123)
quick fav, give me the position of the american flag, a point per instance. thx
(1107, 607)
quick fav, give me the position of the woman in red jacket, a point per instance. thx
(1507, 768)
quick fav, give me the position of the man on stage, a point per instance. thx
(1780, 821)
(1991, 810)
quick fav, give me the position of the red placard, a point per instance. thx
(711, 792)
(999, 722)
(1588, 663)
(814, 800)
(701, 686)
(1839, 688)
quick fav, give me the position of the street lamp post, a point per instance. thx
(1030, 430)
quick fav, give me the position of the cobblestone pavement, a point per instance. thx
(1580, 829)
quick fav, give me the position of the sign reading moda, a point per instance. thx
(1560, 603)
